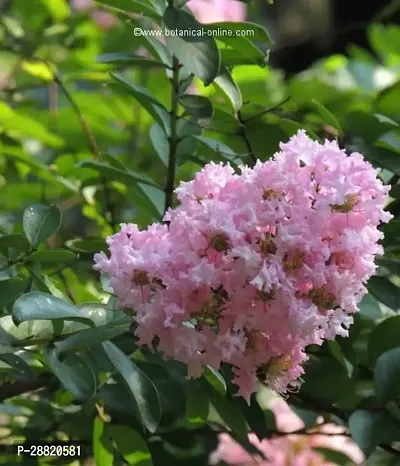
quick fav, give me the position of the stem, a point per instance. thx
(11, 389)
(89, 135)
(173, 137)
(246, 138)
(93, 147)
(267, 110)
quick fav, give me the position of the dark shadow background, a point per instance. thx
(305, 31)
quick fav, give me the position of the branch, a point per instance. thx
(173, 137)
(93, 147)
(246, 138)
(11, 389)
(268, 110)
(89, 135)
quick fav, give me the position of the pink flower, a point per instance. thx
(82, 5)
(288, 450)
(256, 266)
(104, 19)
(213, 11)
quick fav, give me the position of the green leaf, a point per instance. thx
(390, 141)
(153, 44)
(393, 266)
(22, 126)
(197, 106)
(111, 173)
(328, 117)
(88, 337)
(379, 157)
(385, 291)
(73, 373)
(369, 429)
(88, 245)
(215, 146)
(227, 84)
(40, 222)
(334, 456)
(15, 241)
(247, 29)
(58, 9)
(199, 54)
(52, 256)
(103, 450)
(127, 59)
(327, 380)
(18, 363)
(142, 390)
(141, 7)
(10, 289)
(261, 422)
(241, 50)
(155, 195)
(131, 445)
(41, 306)
(170, 391)
(229, 412)
(384, 338)
(160, 142)
(152, 105)
(387, 376)
(197, 406)
(369, 307)
(308, 417)
(215, 379)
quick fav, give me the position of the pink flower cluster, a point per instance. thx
(288, 450)
(212, 11)
(253, 267)
(102, 18)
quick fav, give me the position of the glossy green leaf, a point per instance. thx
(199, 54)
(103, 450)
(170, 391)
(248, 29)
(18, 363)
(387, 376)
(327, 380)
(52, 256)
(215, 379)
(197, 106)
(89, 337)
(73, 373)
(227, 84)
(369, 429)
(41, 306)
(58, 9)
(141, 7)
(150, 103)
(197, 405)
(87, 245)
(228, 411)
(384, 338)
(131, 445)
(14, 241)
(327, 116)
(127, 59)
(143, 392)
(160, 142)
(40, 222)
(385, 291)
(10, 289)
(111, 173)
